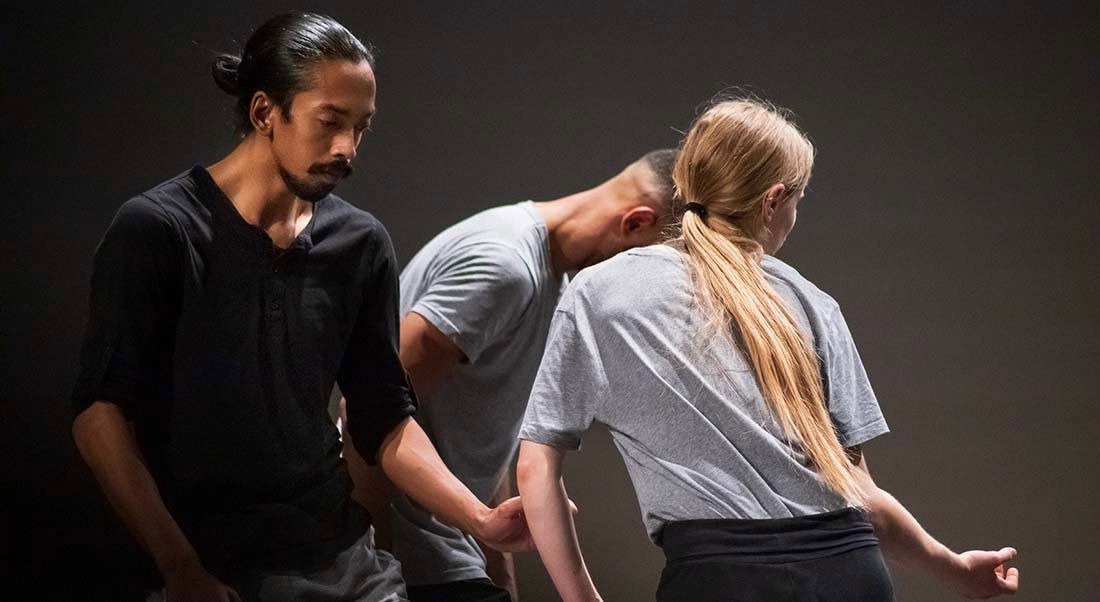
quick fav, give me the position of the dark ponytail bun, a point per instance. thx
(281, 55)
(224, 69)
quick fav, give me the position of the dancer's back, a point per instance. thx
(681, 399)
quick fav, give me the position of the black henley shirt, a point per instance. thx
(223, 350)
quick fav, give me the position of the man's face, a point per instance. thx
(315, 144)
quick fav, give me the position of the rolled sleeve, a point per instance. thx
(478, 296)
(378, 392)
(126, 354)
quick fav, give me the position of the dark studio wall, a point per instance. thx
(953, 215)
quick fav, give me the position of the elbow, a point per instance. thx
(83, 431)
(98, 426)
(389, 451)
(79, 438)
(877, 509)
(530, 467)
(525, 470)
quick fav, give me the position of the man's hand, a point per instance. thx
(191, 583)
(504, 528)
(106, 442)
(981, 574)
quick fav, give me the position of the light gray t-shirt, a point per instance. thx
(488, 285)
(630, 348)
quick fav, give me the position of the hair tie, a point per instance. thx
(697, 209)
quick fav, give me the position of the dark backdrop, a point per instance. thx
(952, 214)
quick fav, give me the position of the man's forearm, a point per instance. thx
(410, 460)
(501, 568)
(371, 487)
(104, 439)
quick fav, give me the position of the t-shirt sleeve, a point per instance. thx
(371, 377)
(477, 296)
(852, 403)
(133, 306)
(570, 385)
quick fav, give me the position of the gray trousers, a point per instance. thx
(361, 573)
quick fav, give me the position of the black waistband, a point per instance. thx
(769, 540)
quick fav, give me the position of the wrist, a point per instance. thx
(478, 521)
(946, 564)
(175, 566)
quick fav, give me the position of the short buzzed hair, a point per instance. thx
(660, 162)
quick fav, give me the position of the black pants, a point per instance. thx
(472, 590)
(819, 558)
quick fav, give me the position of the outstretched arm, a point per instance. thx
(106, 443)
(429, 357)
(551, 520)
(370, 486)
(973, 574)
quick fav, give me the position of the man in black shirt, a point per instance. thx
(225, 304)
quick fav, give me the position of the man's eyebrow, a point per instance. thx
(342, 112)
(333, 108)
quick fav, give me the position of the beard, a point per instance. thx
(311, 190)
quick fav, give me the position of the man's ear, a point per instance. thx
(637, 219)
(261, 113)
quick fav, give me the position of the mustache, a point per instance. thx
(339, 168)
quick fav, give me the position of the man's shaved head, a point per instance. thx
(660, 163)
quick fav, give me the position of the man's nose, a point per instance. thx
(344, 146)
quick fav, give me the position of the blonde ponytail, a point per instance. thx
(733, 154)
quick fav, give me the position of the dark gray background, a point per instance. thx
(953, 215)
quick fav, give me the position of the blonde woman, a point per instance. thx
(735, 395)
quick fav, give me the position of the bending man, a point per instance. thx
(477, 302)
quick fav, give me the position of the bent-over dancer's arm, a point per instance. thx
(550, 519)
(105, 441)
(973, 574)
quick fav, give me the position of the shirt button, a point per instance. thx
(275, 306)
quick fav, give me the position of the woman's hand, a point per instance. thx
(982, 574)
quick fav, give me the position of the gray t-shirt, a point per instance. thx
(488, 285)
(630, 348)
